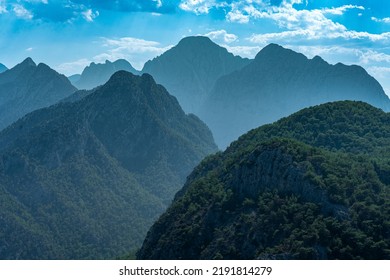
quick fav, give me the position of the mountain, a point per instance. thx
(190, 69)
(74, 78)
(315, 185)
(3, 68)
(28, 87)
(85, 179)
(98, 74)
(279, 82)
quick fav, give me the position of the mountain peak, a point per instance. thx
(3, 68)
(195, 40)
(119, 76)
(97, 74)
(44, 66)
(189, 70)
(319, 60)
(276, 51)
(28, 62)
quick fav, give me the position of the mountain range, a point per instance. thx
(27, 87)
(84, 174)
(3, 68)
(279, 82)
(85, 178)
(190, 69)
(98, 74)
(315, 185)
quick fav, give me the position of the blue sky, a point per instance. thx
(69, 34)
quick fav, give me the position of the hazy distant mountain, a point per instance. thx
(315, 185)
(279, 82)
(98, 74)
(74, 78)
(3, 68)
(27, 87)
(190, 69)
(86, 179)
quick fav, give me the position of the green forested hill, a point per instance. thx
(315, 185)
(86, 179)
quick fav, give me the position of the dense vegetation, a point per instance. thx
(315, 185)
(86, 178)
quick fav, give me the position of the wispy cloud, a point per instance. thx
(243, 51)
(222, 36)
(135, 50)
(341, 10)
(21, 12)
(89, 15)
(384, 20)
(71, 10)
(310, 25)
(198, 6)
(77, 66)
(3, 7)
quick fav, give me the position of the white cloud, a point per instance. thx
(37, 1)
(243, 51)
(133, 45)
(384, 20)
(237, 16)
(341, 10)
(89, 15)
(29, 49)
(135, 50)
(3, 7)
(158, 3)
(73, 67)
(222, 35)
(197, 6)
(318, 33)
(22, 12)
(382, 72)
(370, 56)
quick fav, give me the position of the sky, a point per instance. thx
(70, 34)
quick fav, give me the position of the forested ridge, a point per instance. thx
(314, 185)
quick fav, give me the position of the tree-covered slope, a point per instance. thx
(86, 179)
(190, 69)
(28, 87)
(283, 191)
(279, 82)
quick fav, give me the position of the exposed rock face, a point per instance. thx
(271, 169)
